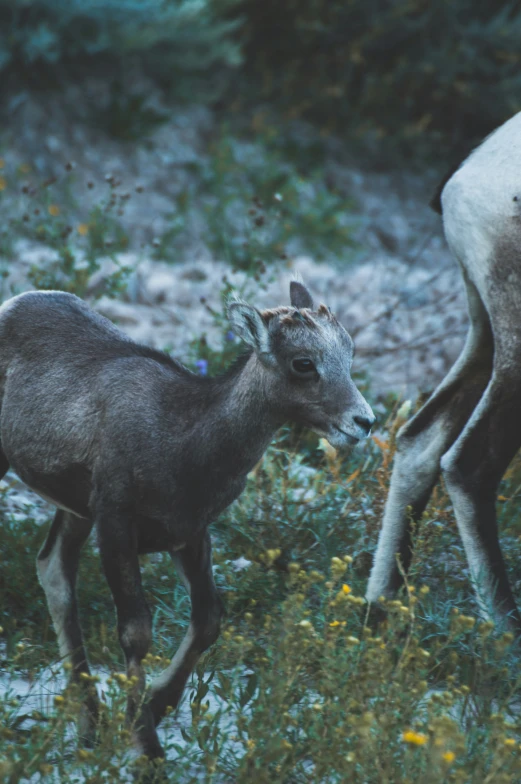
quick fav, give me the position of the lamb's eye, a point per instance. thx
(304, 367)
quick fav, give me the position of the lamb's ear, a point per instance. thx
(248, 324)
(299, 295)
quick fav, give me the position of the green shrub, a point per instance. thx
(427, 75)
(259, 205)
(191, 34)
(79, 234)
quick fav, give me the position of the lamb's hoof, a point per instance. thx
(144, 735)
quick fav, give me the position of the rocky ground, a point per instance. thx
(398, 292)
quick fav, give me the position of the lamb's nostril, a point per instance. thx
(365, 423)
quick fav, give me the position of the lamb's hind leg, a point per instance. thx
(421, 444)
(57, 566)
(194, 564)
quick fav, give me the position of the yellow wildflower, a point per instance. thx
(335, 623)
(510, 742)
(83, 229)
(414, 738)
(329, 451)
(346, 589)
(449, 756)
(54, 210)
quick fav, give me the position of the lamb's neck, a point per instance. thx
(244, 423)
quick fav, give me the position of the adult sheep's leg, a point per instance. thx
(473, 468)
(475, 464)
(57, 566)
(119, 555)
(421, 444)
(194, 564)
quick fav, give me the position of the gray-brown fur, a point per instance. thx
(470, 428)
(124, 438)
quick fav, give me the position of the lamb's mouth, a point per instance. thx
(352, 439)
(333, 432)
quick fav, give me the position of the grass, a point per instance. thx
(298, 689)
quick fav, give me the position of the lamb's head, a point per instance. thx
(305, 356)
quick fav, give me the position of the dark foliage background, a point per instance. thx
(424, 76)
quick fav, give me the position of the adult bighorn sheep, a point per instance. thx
(470, 428)
(124, 438)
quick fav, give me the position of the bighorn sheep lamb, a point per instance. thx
(124, 438)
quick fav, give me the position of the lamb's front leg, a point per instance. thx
(194, 564)
(119, 555)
